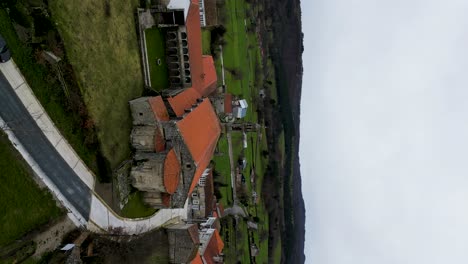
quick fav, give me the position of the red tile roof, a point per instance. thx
(171, 172)
(200, 131)
(159, 109)
(166, 199)
(214, 248)
(159, 141)
(183, 101)
(197, 259)
(194, 39)
(210, 79)
(228, 103)
(202, 67)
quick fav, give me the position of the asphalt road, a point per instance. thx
(39, 147)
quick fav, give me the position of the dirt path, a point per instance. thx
(231, 161)
(51, 238)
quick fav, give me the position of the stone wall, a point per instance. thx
(142, 114)
(142, 138)
(148, 174)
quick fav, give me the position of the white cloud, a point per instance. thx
(384, 131)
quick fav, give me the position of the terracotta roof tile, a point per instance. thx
(214, 248)
(219, 242)
(171, 172)
(183, 101)
(159, 141)
(210, 80)
(159, 109)
(200, 131)
(228, 103)
(197, 259)
(195, 45)
(166, 199)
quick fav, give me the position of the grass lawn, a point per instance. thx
(155, 47)
(241, 52)
(101, 43)
(23, 205)
(136, 208)
(224, 168)
(206, 41)
(49, 93)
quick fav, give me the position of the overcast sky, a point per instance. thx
(384, 131)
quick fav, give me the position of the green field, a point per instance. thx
(101, 42)
(155, 47)
(223, 166)
(49, 93)
(206, 41)
(242, 54)
(23, 205)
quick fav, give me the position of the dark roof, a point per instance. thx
(228, 103)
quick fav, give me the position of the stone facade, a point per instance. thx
(143, 138)
(183, 242)
(142, 113)
(148, 173)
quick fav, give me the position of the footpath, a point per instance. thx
(101, 217)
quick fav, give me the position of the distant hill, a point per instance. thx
(286, 52)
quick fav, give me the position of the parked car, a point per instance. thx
(5, 54)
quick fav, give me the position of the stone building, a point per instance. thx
(211, 247)
(203, 200)
(183, 242)
(174, 135)
(172, 153)
(188, 67)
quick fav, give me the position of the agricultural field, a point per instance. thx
(23, 205)
(101, 42)
(155, 47)
(244, 78)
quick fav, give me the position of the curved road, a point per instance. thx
(13, 112)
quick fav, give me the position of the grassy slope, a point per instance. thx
(102, 46)
(23, 206)
(156, 50)
(48, 91)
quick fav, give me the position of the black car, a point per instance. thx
(5, 54)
